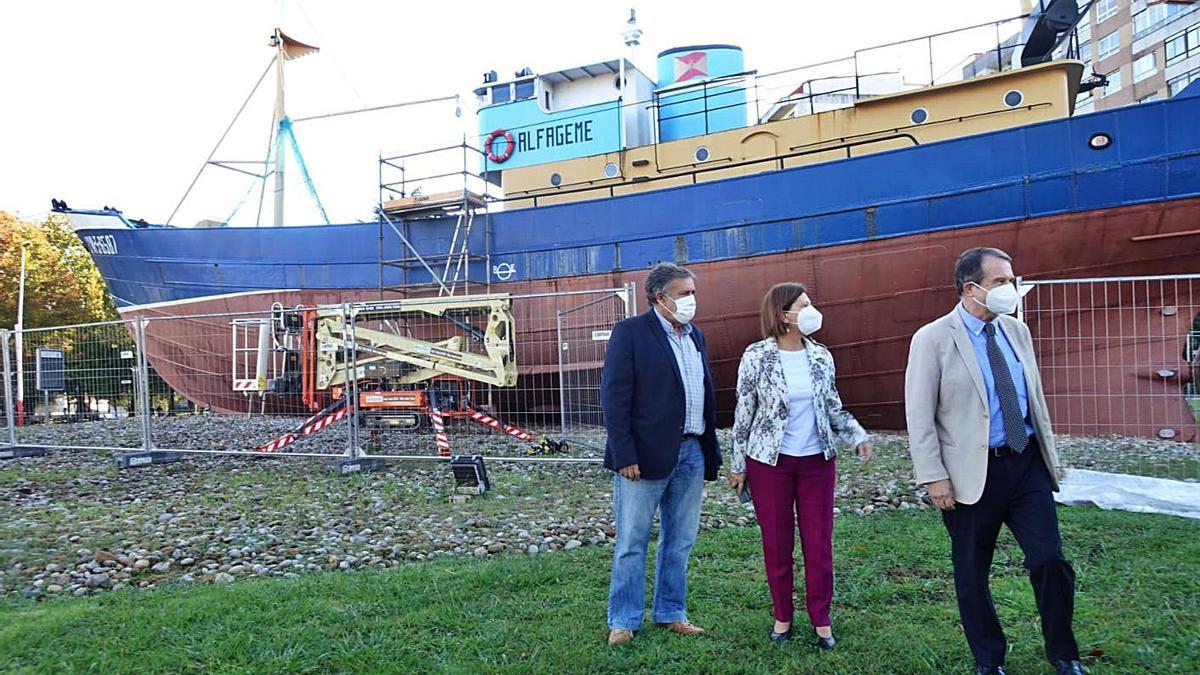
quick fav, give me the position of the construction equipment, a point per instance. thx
(408, 365)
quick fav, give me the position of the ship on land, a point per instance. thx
(846, 176)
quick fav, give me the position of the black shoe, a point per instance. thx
(781, 637)
(826, 644)
(1069, 667)
(989, 670)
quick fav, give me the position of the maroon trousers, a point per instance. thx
(796, 489)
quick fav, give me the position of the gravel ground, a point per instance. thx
(76, 525)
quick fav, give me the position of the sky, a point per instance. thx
(119, 103)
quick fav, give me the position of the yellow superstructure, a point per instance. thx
(988, 103)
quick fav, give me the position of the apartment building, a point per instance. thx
(1148, 49)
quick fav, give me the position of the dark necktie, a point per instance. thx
(1014, 423)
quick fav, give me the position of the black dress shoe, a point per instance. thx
(989, 670)
(826, 644)
(781, 637)
(1069, 667)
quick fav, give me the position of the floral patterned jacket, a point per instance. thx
(762, 405)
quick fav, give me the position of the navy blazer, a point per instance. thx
(641, 393)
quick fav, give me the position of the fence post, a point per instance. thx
(350, 371)
(143, 385)
(8, 405)
(1020, 300)
(562, 383)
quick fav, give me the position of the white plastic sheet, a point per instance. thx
(1139, 494)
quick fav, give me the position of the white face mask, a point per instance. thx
(685, 308)
(1002, 299)
(808, 320)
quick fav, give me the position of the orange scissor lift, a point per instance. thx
(408, 365)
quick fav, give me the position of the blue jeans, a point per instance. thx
(634, 502)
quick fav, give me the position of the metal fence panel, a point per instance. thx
(501, 376)
(583, 332)
(8, 431)
(95, 401)
(230, 383)
(1113, 354)
(550, 411)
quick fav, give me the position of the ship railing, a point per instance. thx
(933, 59)
(431, 183)
(928, 60)
(438, 169)
(846, 144)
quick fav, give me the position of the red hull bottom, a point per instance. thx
(874, 295)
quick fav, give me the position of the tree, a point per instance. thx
(63, 285)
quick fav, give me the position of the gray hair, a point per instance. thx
(969, 268)
(661, 275)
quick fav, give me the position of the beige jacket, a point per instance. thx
(946, 405)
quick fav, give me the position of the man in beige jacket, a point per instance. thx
(981, 444)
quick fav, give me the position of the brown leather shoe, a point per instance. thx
(619, 636)
(683, 628)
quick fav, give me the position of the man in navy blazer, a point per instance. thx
(657, 395)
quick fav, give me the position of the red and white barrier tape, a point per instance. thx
(499, 426)
(439, 433)
(308, 430)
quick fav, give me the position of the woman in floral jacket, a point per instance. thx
(788, 415)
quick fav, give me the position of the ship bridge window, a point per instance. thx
(919, 115)
(501, 94)
(524, 90)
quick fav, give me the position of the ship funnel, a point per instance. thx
(701, 90)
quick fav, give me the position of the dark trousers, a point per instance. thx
(1017, 494)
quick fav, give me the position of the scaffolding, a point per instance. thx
(441, 191)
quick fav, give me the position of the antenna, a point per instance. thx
(633, 37)
(632, 34)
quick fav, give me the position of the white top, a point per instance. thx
(800, 437)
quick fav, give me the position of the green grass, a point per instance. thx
(1138, 610)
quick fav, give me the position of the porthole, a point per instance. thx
(702, 154)
(1099, 141)
(1013, 98)
(556, 179)
(919, 115)
(610, 170)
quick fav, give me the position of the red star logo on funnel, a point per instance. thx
(690, 66)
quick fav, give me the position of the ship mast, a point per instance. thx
(282, 137)
(277, 41)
